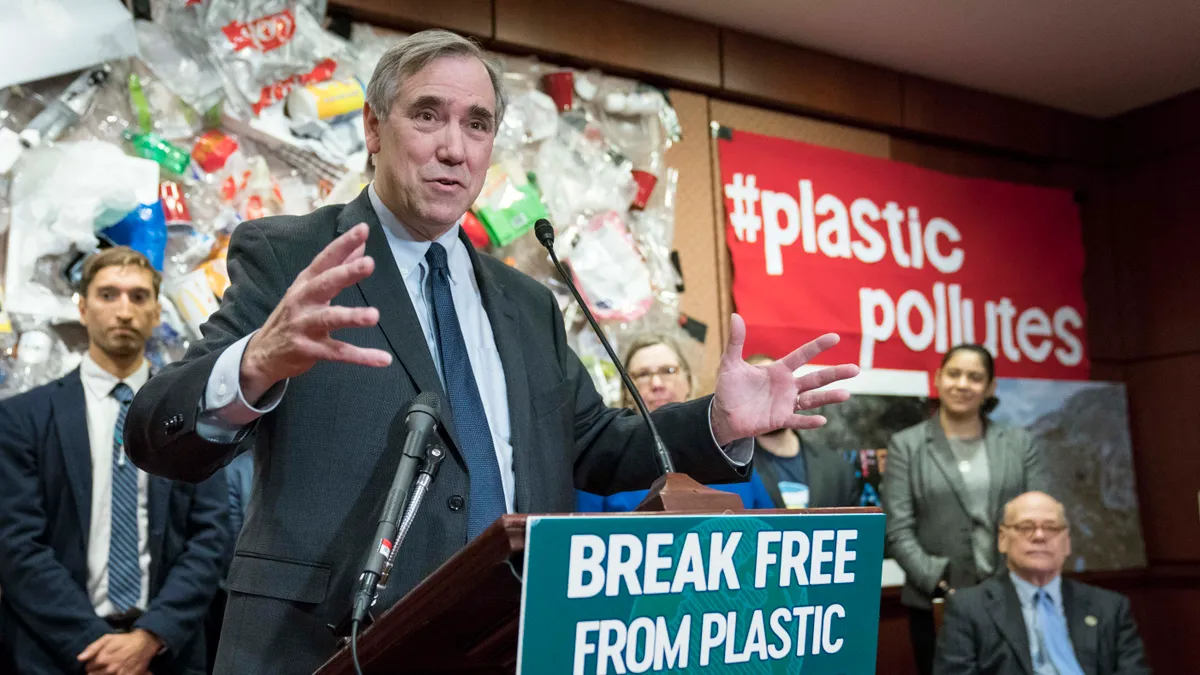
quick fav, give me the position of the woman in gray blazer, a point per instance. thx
(947, 480)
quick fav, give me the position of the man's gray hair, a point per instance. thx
(418, 50)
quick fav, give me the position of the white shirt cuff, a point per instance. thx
(740, 452)
(225, 412)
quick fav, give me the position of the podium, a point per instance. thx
(465, 617)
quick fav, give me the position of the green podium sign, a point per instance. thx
(729, 594)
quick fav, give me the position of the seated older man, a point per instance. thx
(1031, 621)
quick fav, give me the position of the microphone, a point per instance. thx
(544, 232)
(417, 424)
(429, 469)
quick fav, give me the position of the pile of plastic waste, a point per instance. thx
(233, 110)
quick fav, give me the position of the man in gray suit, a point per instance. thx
(1031, 621)
(320, 305)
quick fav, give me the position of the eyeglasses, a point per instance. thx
(643, 376)
(1028, 529)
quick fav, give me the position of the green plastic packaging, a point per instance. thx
(155, 147)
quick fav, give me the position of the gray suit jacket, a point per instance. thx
(924, 498)
(323, 461)
(984, 633)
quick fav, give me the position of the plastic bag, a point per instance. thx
(581, 176)
(654, 230)
(265, 48)
(105, 184)
(188, 72)
(609, 270)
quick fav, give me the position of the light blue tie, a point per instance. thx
(470, 419)
(124, 572)
(1056, 640)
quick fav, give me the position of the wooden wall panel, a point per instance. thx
(1102, 274)
(1168, 620)
(1164, 397)
(766, 70)
(1153, 218)
(614, 34)
(473, 17)
(1080, 139)
(967, 164)
(949, 111)
(758, 120)
(1156, 129)
(696, 229)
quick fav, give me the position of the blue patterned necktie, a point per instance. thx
(1055, 639)
(124, 572)
(470, 419)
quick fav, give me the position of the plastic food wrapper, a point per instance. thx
(609, 270)
(48, 232)
(193, 299)
(508, 205)
(263, 48)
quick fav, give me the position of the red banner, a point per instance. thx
(902, 262)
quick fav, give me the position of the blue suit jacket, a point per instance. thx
(753, 493)
(46, 616)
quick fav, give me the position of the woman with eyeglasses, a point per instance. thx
(662, 376)
(946, 483)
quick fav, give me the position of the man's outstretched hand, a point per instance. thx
(296, 335)
(753, 400)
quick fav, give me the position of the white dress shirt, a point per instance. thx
(226, 410)
(102, 411)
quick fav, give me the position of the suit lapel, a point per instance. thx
(1004, 607)
(1083, 637)
(503, 315)
(385, 291)
(997, 458)
(70, 419)
(944, 458)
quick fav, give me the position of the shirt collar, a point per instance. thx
(99, 382)
(410, 253)
(1026, 591)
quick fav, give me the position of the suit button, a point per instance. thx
(174, 423)
(455, 502)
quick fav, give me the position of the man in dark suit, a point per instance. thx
(1031, 621)
(799, 476)
(104, 568)
(320, 305)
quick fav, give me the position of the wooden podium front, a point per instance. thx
(464, 618)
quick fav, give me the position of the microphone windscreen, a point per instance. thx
(429, 400)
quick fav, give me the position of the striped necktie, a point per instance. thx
(124, 572)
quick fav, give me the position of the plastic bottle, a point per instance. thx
(66, 109)
(154, 147)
